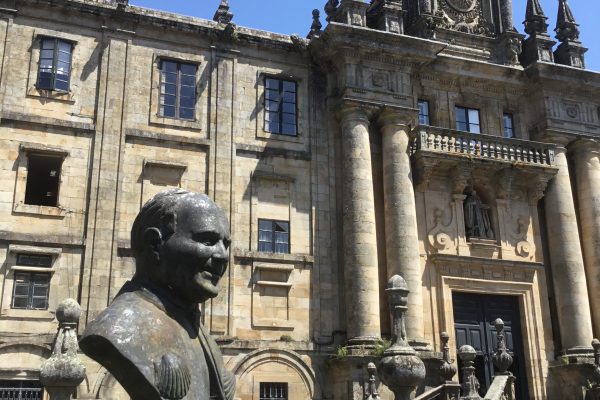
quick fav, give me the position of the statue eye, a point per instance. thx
(206, 238)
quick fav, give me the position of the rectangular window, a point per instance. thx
(21, 390)
(467, 119)
(30, 291)
(55, 64)
(424, 118)
(43, 179)
(280, 106)
(508, 126)
(270, 391)
(273, 236)
(177, 90)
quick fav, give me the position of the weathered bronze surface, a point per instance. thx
(151, 338)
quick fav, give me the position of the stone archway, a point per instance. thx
(275, 365)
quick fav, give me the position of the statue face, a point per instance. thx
(195, 257)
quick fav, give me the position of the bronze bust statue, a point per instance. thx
(150, 337)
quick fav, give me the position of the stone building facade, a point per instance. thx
(422, 138)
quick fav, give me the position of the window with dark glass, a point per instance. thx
(43, 179)
(177, 89)
(280, 106)
(424, 118)
(31, 288)
(18, 389)
(467, 119)
(508, 126)
(273, 236)
(270, 391)
(55, 64)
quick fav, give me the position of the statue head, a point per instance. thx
(180, 240)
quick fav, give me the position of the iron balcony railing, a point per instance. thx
(480, 146)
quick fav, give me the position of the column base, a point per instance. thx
(578, 352)
(358, 345)
(420, 345)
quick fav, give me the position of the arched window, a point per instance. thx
(478, 224)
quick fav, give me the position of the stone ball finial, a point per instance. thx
(445, 337)
(397, 282)
(68, 312)
(397, 291)
(467, 353)
(596, 344)
(316, 13)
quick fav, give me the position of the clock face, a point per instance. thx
(463, 6)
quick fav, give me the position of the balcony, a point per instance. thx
(438, 151)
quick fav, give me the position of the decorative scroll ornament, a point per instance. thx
(523, 248)
(438, 236)
(465, 16)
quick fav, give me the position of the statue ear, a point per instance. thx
(153, 239)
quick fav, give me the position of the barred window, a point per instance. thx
(55, 64)
(280, 107)
(273, 236)
(177, 90)
(17, 390)
(270, 391)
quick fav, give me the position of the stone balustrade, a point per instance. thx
(480, 146)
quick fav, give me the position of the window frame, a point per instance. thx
(511, 117)
(32, 270)
(280, 112)
(20, 386)
(428, 115)
(55, 53)
(56, 156)
(467, 121)
(273, 242)
(178, 87)
(282, 385)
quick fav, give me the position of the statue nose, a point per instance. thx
(221, 252)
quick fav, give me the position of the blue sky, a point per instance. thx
(294, 16)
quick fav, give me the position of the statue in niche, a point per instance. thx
(151, 338)
(477, 218)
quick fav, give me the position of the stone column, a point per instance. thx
(587, 171)
(360, 241)
(566, 258)
(401, 235)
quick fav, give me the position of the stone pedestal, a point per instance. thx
(566, 258)
(360, 241)
(401, 235)
(587, 171)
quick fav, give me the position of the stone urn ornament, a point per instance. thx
(400, 369)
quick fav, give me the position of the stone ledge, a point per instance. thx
(138, 134)
(261, 152)
(274, 257)
(16, 117)
(35, 239)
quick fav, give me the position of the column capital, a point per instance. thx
(394, 116)
(353, 111)
(585, 146)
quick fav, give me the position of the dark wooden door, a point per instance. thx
(474, 317)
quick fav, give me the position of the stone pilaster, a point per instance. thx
(401, 235)
(360, 241)
(566, 258)
(587, 171)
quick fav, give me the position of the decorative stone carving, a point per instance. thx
(523, 248)
(371, 392)
(438, 236)
(315, 28)
(593, 392)
(331, 8)
(400, 369)
(63, 371)
(538, 46)
(464, 16)
(470, 384)
(386, 15)
(477, 218)
(223, 15)
(461, 177)
(501, 358)
(447, 370)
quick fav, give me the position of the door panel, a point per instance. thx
(474, 317)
